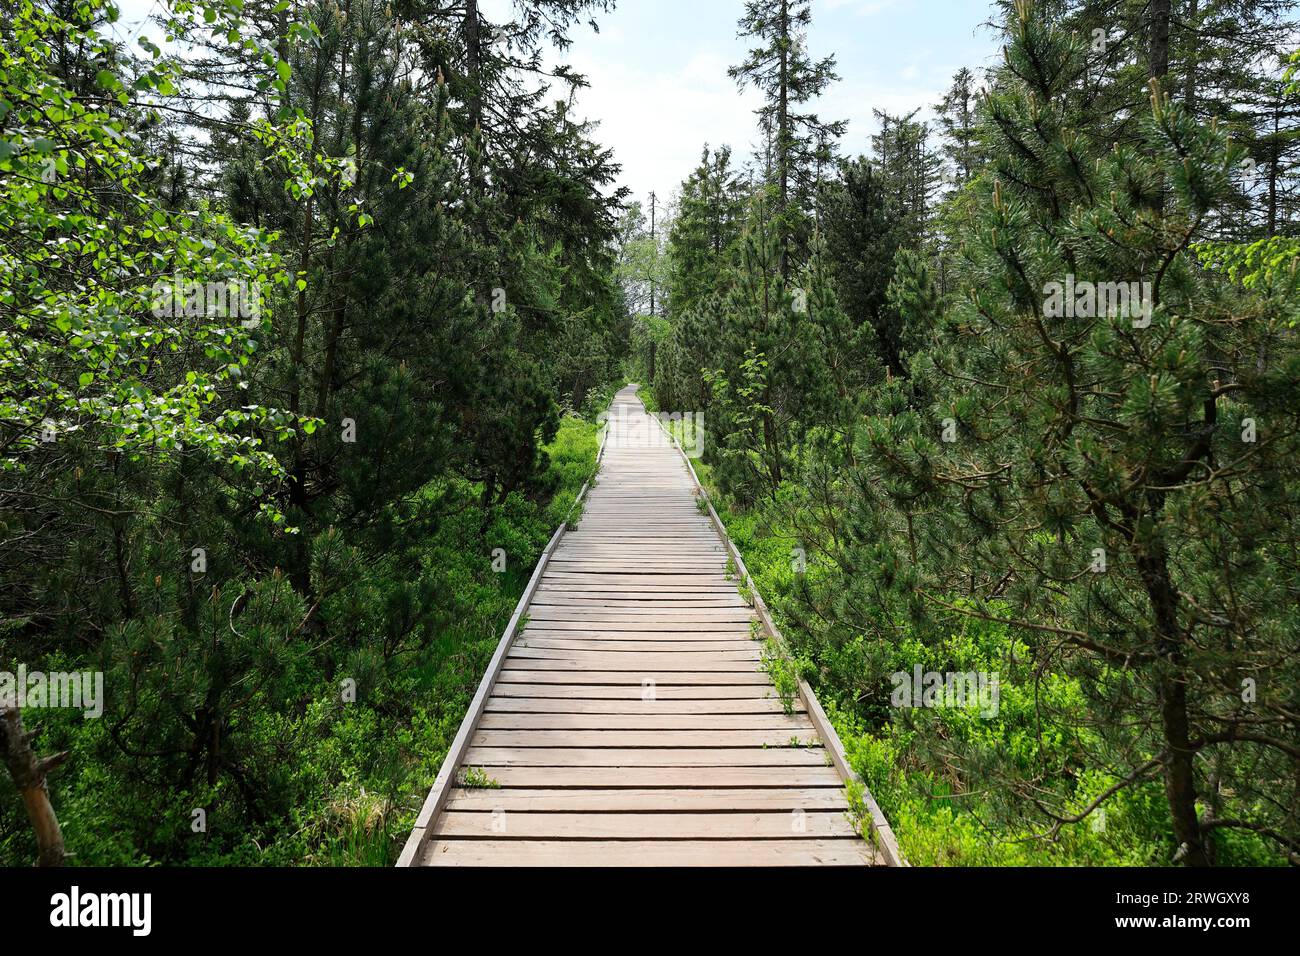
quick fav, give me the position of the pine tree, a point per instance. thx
(957, 116)
(910, 171)
(1088, 481)
(710, 209)
(1103, 491)
(782, 70)
(863, 234)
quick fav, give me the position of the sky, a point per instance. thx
(660, 90)
(659, 85)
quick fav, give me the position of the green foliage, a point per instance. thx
(126, 323)
(426, 306)
(250, 717)
(477, 779)
(863, 235)
(1078, 500)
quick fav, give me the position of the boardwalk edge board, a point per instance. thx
(442, 785)
(883, 833)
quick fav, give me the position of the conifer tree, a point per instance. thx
(787, 76)
(957, 115)
(1115, 487)
(863, 234)
(910, 170)
(710, 210)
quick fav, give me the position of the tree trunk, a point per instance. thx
(773, 444)
(1193, 57)
(474, 79)
(1171, 692)
(300, 574)
(1160, 16)
(29, 774)
(783, 137)
(1275, 155)
(1180, 783)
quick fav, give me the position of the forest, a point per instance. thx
(309, 317)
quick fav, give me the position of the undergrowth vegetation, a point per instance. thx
(335, 741)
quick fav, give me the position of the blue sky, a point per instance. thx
(660, 90)
(658, 72)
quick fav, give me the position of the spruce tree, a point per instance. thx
(957, 115)
(787, 76)
(863, 234)
(910, 170)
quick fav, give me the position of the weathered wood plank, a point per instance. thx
(612, 658)
(639, 664)
(605, 721)
(712, 627)
(668, 615)
(614, 646)
(657, 739)
(665, 777)
(643, 679)
(636, 706)
(645, 757)
(787, 799)
(629, 853)
(501, 823)
(636, 691)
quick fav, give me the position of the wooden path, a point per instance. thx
(628, 721)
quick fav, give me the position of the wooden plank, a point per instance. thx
(638, 665)
(597, 655)
(636, 706)
(487, 757)
(658, 739)
(637, 564)
(785, 799)
(636, 600)
(661, 678)
(650, 583)
(682, 644)
(606, 721)
(668, 615)
(665, 777)
(629, 853)
(553, 588)
(598, 633)
(628, 691)
(606, 627)
(499, 823)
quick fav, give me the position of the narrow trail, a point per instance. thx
(629, 721)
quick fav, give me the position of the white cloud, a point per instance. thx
(658, 119)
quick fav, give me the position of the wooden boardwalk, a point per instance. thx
(628, 721)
